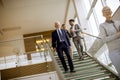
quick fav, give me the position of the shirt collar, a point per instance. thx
(111, 21)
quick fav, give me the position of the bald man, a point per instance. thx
(61, 43)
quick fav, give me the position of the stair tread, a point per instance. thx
(88, 73)
(89, 77)
(108, 79)
(84, 64)
(97, 77)
(74, 55)
(85, 72)
(78, 61)
(87, 69)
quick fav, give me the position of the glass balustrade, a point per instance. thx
(13, 54)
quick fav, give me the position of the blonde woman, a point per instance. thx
(110, 33)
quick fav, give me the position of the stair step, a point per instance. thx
(76, 59)
(74, 55)
(79, 62)
(88, 76)
(108, 79)
(84, 64)
(85, 68)
(96, 77)
(86, 71)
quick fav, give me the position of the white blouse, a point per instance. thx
(109, 34)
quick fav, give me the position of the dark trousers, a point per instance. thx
(64, 49)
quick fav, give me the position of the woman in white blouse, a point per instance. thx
(110, 34)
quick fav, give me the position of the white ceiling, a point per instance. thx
(34, 15)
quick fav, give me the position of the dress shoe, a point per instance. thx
(81, 58)
(66, 70)
(72, 71)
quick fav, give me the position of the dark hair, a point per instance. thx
(63, 24)
(71, 20)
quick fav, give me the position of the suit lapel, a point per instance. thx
(76, 27)
(56, 33)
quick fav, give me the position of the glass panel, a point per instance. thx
(91, 1)
(87, 5)
(104, 58)
(93, 25)
(113, 4)
(76, 21)
(13, 53)
(98, 11)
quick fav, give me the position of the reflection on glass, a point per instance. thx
(113, 4)
(87, 5)
(98, 11)
(93, 25)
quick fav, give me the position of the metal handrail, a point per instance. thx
(97, 59)
(98, 38)
(100, 63)
(91, 35)
(45, 51)
(59, 72)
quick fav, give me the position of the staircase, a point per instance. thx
(87, 69)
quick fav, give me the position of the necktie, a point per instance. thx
(60, 35)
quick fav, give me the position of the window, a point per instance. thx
(76, 21)
(98, 11)
(93, 25)
(92, 18)
(113, 4)
(87, 5)
(92, 10)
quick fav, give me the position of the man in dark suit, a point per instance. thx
(61, 43)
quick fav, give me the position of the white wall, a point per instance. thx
(7, 46)
(9, 43)
(33, 15)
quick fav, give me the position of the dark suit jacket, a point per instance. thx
(55, 39)
(68, 34)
